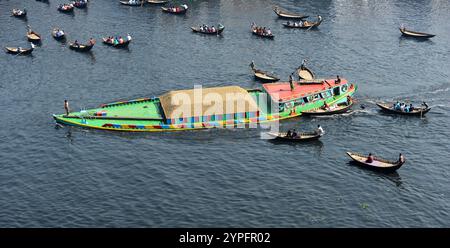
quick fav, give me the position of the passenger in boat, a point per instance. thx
(76, 44)
(294, 134)
(213, 29)
(338, 80)
(397, 105)
(269, 32)
(288, 23)
(406, 108)
(369, 158)
(320, 130)
(121, 41)
(411, 108)
(402, 106)
(66, 107)
(91, 41)
(289, 134)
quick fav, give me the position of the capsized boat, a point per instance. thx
(273, 102)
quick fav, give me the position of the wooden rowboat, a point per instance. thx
(415, 34)
(19, 13)
(180, 10)
(338, 109)
(66, 9)
(157, 1)
(137, 3)
(33, 36)
(55, 35)
(120, 45)
(388, 107)
(80, 4)
(304, 25)
(19, 51)
(218, 31)
(305, 73)
(306, 136)
(263, 75)
(282, 13)
(269, 36)
(81, 47)
(378, 164)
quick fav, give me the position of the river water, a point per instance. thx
(72, 177)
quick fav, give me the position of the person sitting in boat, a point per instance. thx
(294, 134)
(76, 44)
(320, 130)
(406, 109)
(269, 32)
(397, 106)
(338, 80)
(369, 158)
(121, 41)
(213, 29)
(411, 108)
(289, 133)
(91, 41)
(288, 23)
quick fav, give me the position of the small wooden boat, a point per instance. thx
(414, 34)
(377, 164)
(282, 13)
(66, 8)
(81, 4)
(338, 109)
(157, 1)
(304, 24)
(132, 3)
(19, 50)
(33, 36)
(305, 136)
(19, 13)
(118, 45)
(264, 35)
(178, 10)
(58, 36)
(218, 31)
(81, 47)
(389, 107)
(305, 73)
(263, 75)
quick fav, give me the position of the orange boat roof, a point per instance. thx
(282, 91)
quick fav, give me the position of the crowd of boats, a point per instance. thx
(307, 95)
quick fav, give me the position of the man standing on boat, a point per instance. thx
(303, 65)
(66, 107)
(291, 83)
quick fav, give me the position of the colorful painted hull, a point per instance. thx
(146, 115)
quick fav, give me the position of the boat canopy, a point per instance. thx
(202, 102)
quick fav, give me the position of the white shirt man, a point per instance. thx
(320, 130)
